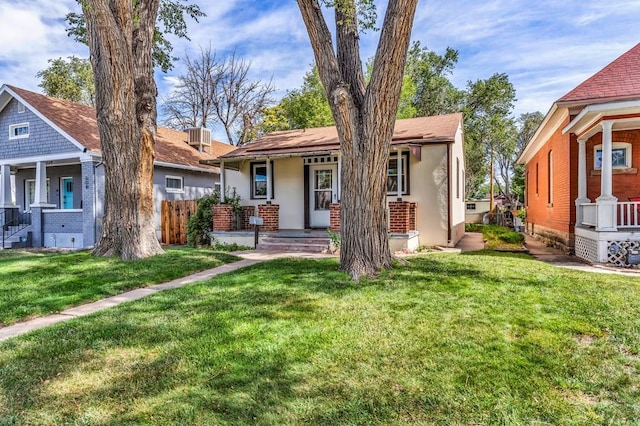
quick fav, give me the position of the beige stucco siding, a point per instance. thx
(288, 190)
(429, 189)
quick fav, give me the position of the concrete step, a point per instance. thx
(296, 240)
(306, 248)
(298, 243)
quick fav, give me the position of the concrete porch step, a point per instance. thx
(298, 244)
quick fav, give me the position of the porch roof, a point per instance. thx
(415, 131)
(78, 124)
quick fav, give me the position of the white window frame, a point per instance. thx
(28, 193)
(254, 166)
(615, 146)
(21, 108)
(174, 190)
(13, 127)
(405, 165)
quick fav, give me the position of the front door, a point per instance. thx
(322, 192)
(66, 192)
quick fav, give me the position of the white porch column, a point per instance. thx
(269, 177)
(40, 197)
(5, 189)
(606, 201)
(582, 180)
(399, 157)
(222, 181)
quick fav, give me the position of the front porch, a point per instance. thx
(607, 230)
(233, 226)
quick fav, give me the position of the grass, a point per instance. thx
(39, 283)
(445, 339)
(498, 237)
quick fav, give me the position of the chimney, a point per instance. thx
(200, 139)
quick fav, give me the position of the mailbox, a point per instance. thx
(255, 220)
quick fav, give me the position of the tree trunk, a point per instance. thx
(119, 43)
(365, 118)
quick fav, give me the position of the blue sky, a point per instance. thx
(546, 47)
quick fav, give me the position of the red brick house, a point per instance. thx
(582, 184)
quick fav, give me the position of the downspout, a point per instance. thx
(448, 194)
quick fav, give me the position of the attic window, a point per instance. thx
(20, 107)
(174, 184)
(19, 131)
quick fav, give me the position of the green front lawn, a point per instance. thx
(39, 283)
(446, 339)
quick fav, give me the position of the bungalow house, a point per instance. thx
(291, 180)
(51, 174)
(582, 182)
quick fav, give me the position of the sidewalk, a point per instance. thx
(248, 258)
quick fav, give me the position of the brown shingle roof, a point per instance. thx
(620, 80)
(79, 122)
(440, 128)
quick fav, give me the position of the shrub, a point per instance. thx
(201, 223)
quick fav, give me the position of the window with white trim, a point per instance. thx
(620, 156)
(19, 131)
(20, 107)
(259, 180)
(471, 206)
(174, 183)
(392, 174)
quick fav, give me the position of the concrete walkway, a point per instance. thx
(248, 258)
(471, 241)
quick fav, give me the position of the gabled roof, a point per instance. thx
(78, 123)
(422, 130)
(620, 80)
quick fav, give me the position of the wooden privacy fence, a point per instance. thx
(175, 215)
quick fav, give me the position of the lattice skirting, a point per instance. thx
(586, 249)
(618, 251)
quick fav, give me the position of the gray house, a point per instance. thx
(51, 175)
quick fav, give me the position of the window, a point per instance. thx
(259, 180)
(620, 156)
(471, 206)
(537, 179)
(174, 184)
(18, 131)
(20, 108)
(550, 176)
(30, 192)
(392, 174)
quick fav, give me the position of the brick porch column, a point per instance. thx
(413, 224)
(334, 217)
(270, 214)
(247, 212)
(399, 217)
(222, 217)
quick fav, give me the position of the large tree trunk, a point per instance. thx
(120, 47)
(365, 117)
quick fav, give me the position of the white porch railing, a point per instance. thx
(627, 214)
(589, 214)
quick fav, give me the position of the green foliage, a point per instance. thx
(70, 79)
(200, 224)
(172, 16)
(429, 74)
(230, 247)
(232, 198)
(334, 237)
(306, 107)
(497, 237)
